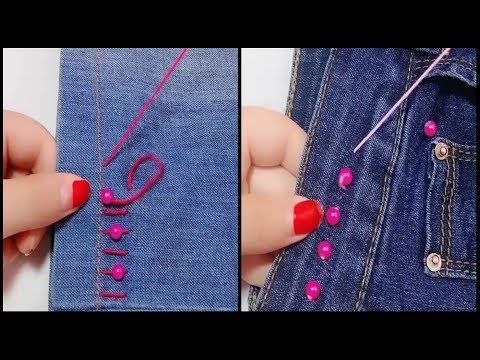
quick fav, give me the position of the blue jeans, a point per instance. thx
(407, 203)
(182, 243)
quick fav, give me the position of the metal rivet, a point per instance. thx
(434, 262)
(441, 151)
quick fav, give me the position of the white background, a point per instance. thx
(30, 86)
(265, 82)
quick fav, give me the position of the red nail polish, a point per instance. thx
(80, 192)
(307, 216)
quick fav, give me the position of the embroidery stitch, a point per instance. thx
(114, 212)
(114, 295)
(115, 252)
(106, 195)
(149, 184)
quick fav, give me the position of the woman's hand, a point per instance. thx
(34, 196)
(272, 216)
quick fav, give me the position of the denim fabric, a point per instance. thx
(404, 204)
(183, 233)
(308, 86)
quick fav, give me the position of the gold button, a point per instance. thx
(434, 262)
(441, 151)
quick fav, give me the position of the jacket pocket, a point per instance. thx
(451, 211)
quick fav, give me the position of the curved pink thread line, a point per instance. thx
(115, 252)
(144, 108)
(111, 294)
(114, 212)
(157, 176)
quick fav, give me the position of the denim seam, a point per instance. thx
(386, 185)
(468, 69)
(446, 214)
(446, 220)
(100, 172)
(421, 67)
(456, 61)
(452, 194)
(293, 82)
(449, 262)
(450, 60)
(460, 262)
(467, 152)
(307, 151)
(467, 159)
(459, 266)
(472, 272)
(443, 215)
(314, 125)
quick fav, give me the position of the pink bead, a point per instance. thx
(333, 216)
(118, 272)
(345, 177)
(324, 250)
(106, 195)
(312, 290)
(116, 232)
(430, 128)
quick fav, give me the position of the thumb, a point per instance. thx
(39, 200)
(273, 222)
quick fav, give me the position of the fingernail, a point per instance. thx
(80, 192)
(307, 216)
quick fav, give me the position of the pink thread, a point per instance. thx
(111, 294)
(157, 176)
(404, 96)
(115, 252)
(114, 212)
(145, 106)
(115, 231)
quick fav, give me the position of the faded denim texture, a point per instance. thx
(183, 233)
(404, 202)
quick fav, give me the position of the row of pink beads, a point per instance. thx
(324, 248)
(115, 231)
(345, 178)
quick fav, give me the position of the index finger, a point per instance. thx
(270, 139)
(27, 144)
